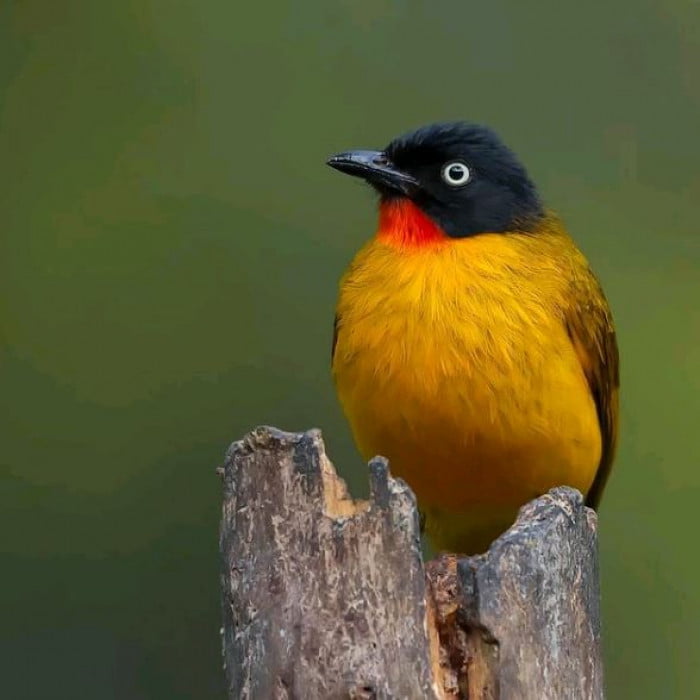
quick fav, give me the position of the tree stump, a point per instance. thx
(324, 596)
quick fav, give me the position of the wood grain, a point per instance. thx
(324, 596)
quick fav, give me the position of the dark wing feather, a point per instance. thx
(335, 337)
(590, 326)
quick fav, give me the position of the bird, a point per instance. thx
(473, 346)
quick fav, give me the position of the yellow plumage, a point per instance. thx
(468, 364)
(473, 345)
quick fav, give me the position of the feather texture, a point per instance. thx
(484, 368)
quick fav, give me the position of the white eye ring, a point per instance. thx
(455, 173)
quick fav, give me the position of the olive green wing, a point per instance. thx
(590, 326)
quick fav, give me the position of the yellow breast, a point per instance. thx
(453, 362)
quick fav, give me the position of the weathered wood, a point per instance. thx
(326, 597)
(323, 597)
(523, 620)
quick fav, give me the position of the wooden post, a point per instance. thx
(327, 597)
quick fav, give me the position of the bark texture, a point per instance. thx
(523, 620)
(327, 597)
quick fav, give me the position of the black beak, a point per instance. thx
(375, 168)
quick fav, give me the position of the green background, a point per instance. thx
(170, 244)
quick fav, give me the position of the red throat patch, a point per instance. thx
(402, 223)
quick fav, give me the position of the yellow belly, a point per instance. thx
(456, 366)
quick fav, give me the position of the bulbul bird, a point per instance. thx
(473, 346)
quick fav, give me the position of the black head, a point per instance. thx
(459, 174)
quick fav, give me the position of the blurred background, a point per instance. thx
(170, 245)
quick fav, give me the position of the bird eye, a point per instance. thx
(455, 173)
